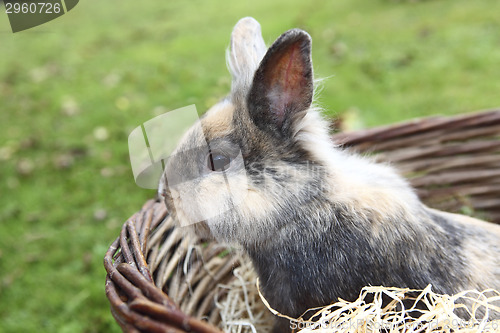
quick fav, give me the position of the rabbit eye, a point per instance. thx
(218, 162)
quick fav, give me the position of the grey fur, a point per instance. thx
(318, 223)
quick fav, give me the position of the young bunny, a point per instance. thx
(319, 223)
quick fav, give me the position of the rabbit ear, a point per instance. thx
(282, 88)
(246, 52)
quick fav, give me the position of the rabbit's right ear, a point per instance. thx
(246, 51)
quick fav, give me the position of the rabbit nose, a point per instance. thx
(162, 188)
(170, 193)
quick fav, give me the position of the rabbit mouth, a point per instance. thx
(200, 226)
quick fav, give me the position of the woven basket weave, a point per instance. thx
(453, 162)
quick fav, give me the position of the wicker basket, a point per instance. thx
(453, 162)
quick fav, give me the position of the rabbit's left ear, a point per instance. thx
(282, 88)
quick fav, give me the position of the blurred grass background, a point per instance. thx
(73, 89)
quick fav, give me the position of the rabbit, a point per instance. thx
(319, 223)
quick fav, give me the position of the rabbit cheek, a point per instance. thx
(209, 203)
(224, 205)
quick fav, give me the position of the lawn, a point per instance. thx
(73, 89)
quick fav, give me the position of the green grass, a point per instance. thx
(73, 89)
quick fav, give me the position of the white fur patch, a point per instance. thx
(246, 52)
(355, 181)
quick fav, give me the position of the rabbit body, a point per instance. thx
(318, 222)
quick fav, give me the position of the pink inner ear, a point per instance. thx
(287, 82)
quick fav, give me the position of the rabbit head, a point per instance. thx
(246, 162)
(262, 157)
